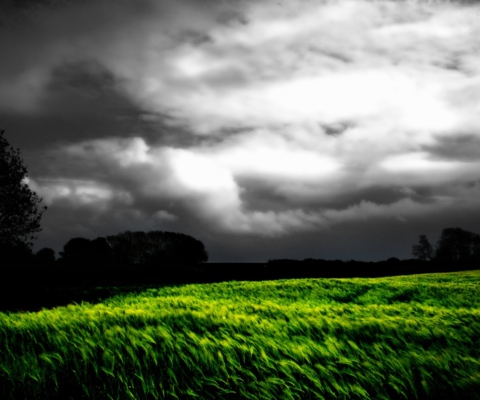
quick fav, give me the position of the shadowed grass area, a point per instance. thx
(410, 337)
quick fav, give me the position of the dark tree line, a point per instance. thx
(456, 249)
(455, 246)
(129, 248)
(154, 248)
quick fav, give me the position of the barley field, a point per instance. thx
(407, 337)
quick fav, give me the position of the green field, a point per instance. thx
(410, 337)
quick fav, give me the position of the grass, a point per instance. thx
(409, 337)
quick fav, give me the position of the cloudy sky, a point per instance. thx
(266, 129)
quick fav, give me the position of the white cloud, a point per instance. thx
(277, 68)
(421, 169)
(78, 192)
(163, 215)
(316, 61)
(276, 155)
(126, 152)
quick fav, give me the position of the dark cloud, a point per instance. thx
(68, 112)
(335, 129)
(260, 195)
(460, 147)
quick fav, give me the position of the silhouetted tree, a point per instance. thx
(100, 251)
(15, 254)
(456, 245)
(156, 247)
(175, 248)
(76, 252)
(393, 260)
(423, 250)
(86, 255)
(19, 206)
(45, 257)
(128, 247)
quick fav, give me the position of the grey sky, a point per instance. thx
(329, 129)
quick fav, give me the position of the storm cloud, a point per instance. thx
(265, 129)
